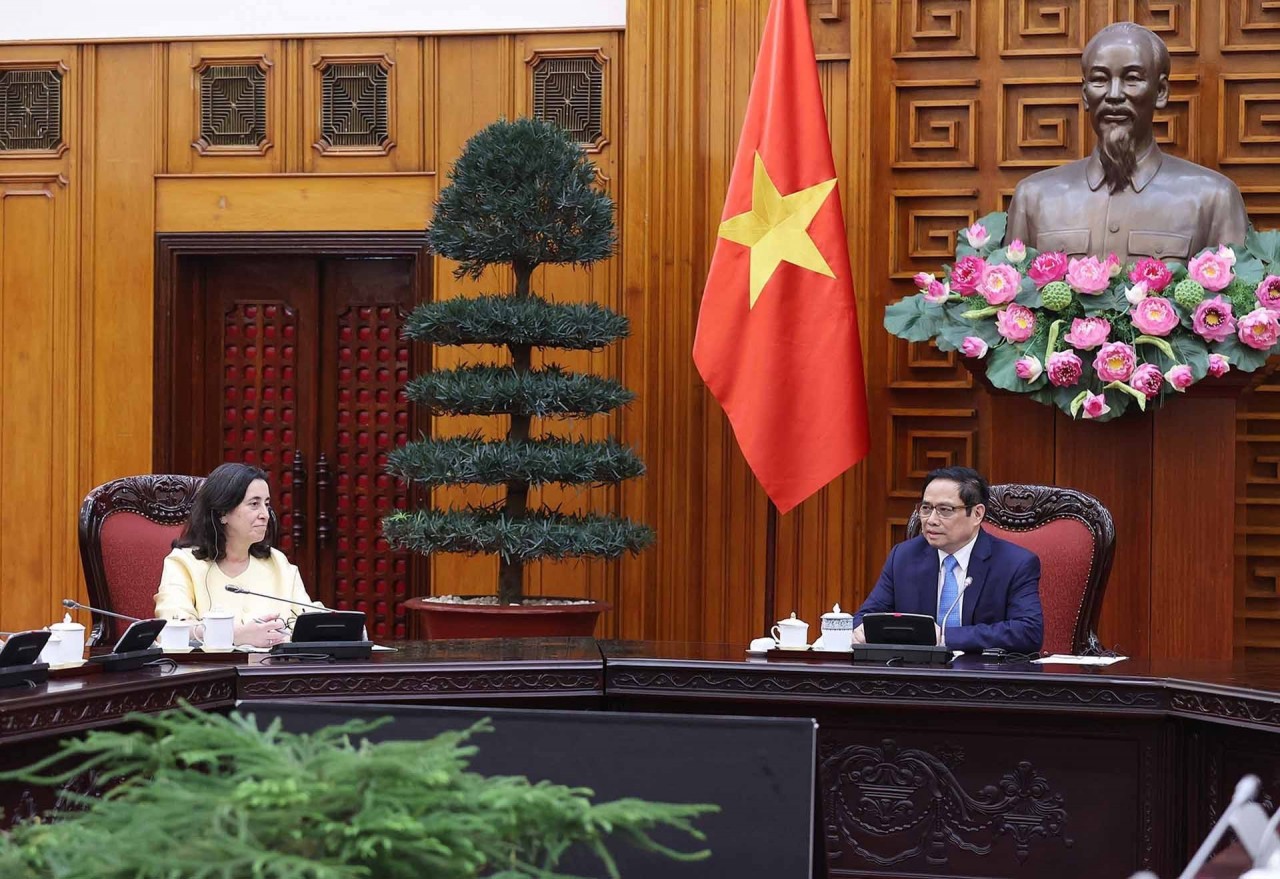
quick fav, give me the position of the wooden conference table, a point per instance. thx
(976, 770)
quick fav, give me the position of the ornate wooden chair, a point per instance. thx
(1074, 537)
(127, 527)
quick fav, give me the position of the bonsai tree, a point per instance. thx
(196, 796)
(522, 194)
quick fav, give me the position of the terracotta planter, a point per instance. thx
(443, 621)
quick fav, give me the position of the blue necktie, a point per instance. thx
(950, 592)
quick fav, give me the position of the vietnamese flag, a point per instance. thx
(777, 339)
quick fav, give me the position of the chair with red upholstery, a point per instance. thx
(127, 527)
(1074, 537)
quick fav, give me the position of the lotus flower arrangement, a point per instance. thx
(1089, 335)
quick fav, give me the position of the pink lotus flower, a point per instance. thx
(1094, 406)
(1064, 368)
(1227, 255)
(1147, 379)
(1028, 368)
(1088, 275)
(1258, 329)
(923, 280)
(1016, 252)
(977, 235)
(1048, 267)
(1155, 273)
(1016, 323)
(1210, 270)
(973, 347)
(1115, 362)
(1088, 333)
(1113, 265)
(1155, 316)
(1268, 292)
(1212, 320)
(1219, 365)
(937, 291)
(1179, 378)
(999, 284)
(967, 274)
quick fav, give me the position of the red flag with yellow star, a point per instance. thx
(777, 339)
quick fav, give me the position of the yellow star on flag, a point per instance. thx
(777, 228)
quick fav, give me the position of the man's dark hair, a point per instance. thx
(222, 492)
(973, 487)
(1159, 51)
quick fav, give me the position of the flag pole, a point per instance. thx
(770, 566)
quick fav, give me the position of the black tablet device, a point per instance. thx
(899, 628)
(139, 636)
(23, 648)
(329, 625)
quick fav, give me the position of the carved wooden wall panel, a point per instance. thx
(224, 107)
(31, 109)
(1023, 57)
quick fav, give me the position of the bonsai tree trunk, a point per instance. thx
(511, 571)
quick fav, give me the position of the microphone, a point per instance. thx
(240, 590)
(67, 602)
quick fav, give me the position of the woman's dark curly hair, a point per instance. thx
(222, 492)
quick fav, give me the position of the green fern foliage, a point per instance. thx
(199, 796)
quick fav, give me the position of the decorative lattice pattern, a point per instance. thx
(259, 394)
(373, 419)
(354, 110)
(233, 106)
(570, 92)
(30, 110)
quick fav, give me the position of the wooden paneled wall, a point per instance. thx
(77, 251)
(78, 228)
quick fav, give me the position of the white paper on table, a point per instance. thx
(1067, 659)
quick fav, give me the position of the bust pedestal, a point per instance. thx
(1169, 480)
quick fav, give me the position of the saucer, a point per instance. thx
(178, 649)
(59, 665)
(218, 649)
(797, 649)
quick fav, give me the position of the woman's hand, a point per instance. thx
(265, 631)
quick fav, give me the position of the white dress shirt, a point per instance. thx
(962, 573)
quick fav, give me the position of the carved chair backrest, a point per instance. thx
(127, 527)
(1074, 537)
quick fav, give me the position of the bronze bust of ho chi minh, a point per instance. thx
(1128, 197)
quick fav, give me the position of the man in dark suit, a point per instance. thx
(981, 591)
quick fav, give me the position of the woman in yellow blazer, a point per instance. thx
(227, 542)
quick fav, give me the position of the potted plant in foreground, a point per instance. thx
(522, 194)
(191, 795)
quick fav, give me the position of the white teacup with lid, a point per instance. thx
(71, 645)
(791, 633)
(837, 630)
(52, 652)
(175, 637)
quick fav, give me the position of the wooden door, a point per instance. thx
(296, 364)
